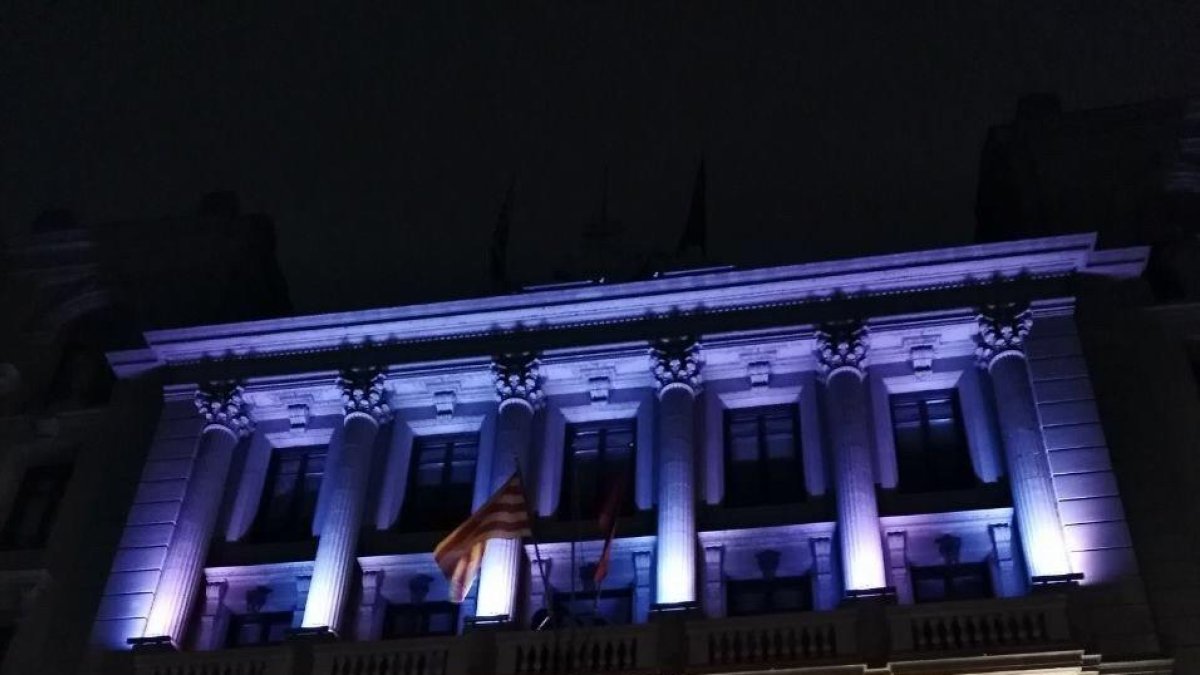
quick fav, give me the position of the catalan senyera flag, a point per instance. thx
(609, 512)
(504, 516)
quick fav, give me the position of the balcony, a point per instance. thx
(853, 635)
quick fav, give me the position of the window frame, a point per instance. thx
(422, 612)
(297, 527)
(59, 475)
(568, 510)
(763, 461)
(946, 573)
(933, 462)
(265, 624)
(414, 519)
(802, 583)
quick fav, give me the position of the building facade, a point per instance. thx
(73, 439)
(887, 464)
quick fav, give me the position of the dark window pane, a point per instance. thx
(32, 516)
(762, 456)
(766, 596)
(609, 607)
(931, 446)
(289, 499)
(965, 581)
(599, 458)
(248, 630)
(418, 620)
(441, 483)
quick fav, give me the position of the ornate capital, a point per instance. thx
(676, 361)
(1002, 330)
(221, 404)
(518, 378)
(364, 391)
(842, 346)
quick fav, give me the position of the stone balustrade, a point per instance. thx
(959, 629)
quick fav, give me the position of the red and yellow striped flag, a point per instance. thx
(504, 516)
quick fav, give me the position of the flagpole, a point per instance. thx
(547, 604)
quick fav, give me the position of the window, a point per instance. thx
(962, 581)
(421, 619)
(441, 481)
(32, 517)
(599, 459)
(931, 448)
(762, 458)
(767, 596)
(609, 607)
(289, 498)
(248, 630)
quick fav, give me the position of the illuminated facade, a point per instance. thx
(891, 462)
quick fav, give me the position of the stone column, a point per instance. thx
(676, 365)
(714, 582)
(222, 406)
(897, 550)
(842, 354)
(1002, 333)
(520, 392)
(364, 400)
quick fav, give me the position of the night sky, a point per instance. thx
(382, 141)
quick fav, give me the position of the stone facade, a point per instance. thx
(687, 371)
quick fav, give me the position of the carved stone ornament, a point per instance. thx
(676, 361)
(222, 404)
(365, 391)
(518, 377)
(1002, 329)
(842, 346)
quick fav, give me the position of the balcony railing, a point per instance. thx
(580, 650)
(914, 632)
(980, 625)
(249, 661)
(779, 639)
(428, 656)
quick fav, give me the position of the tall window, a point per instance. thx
(441, 481)
(931, 448)
(289, 498)
(608, 607)
(33, 512)
(420, 619)
(264, 628)
(762, 457)
(961, 581)
(599, 461)
(766, 596)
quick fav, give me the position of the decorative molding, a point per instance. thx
(1002, 331)
(842, 346)
(676, 362)
(443, 403)
(922, 350)
(222, 404)
(364, 391)
(759, 374)
(518, 378)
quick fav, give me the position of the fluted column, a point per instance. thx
(842, 354)
(520, 392)
(676, 366)
(222, 406)
(364, 400)
(1002, 333)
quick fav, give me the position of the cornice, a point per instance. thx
(599, 305)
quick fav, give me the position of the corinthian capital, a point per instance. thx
(842, 346)
(364, 391)
(518, 378)
(222, 404)
(676, 361)
(1002, 330)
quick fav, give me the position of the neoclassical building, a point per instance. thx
(890, 464)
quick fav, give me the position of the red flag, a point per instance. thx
(504, 516)
(608, 524)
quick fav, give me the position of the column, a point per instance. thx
(824, 585)
(897, 552)
(519, 388)
(364, 401)
(842, 354)
(676, 366)
(1002, 333)
(714, 581)
(222, 406)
